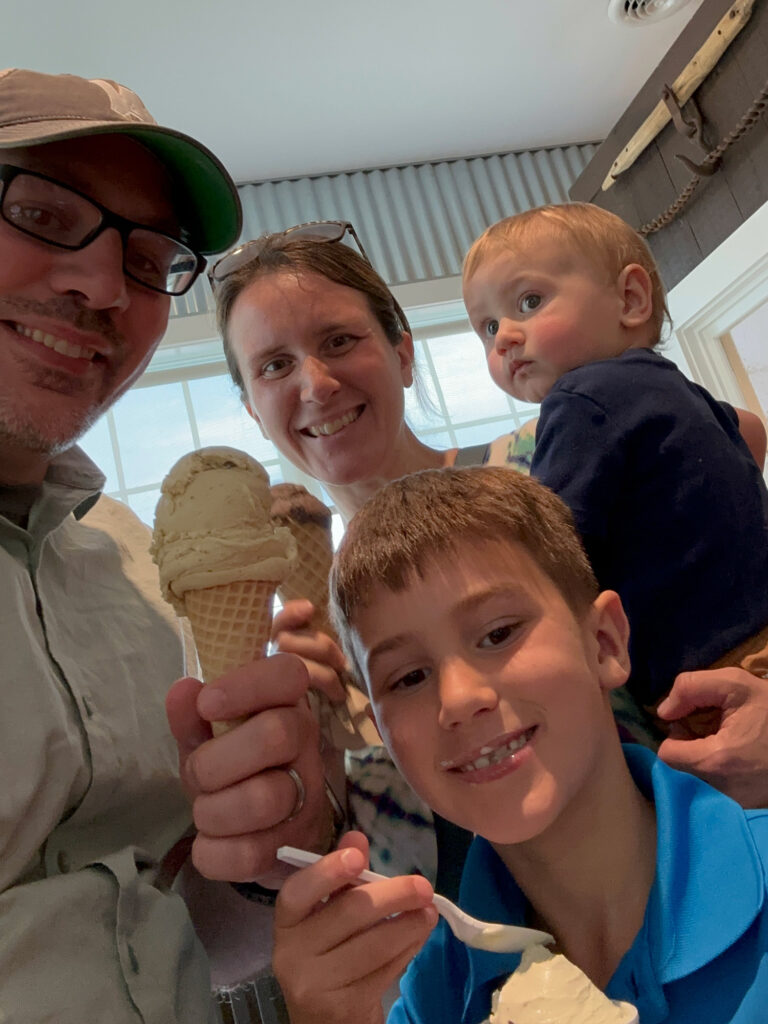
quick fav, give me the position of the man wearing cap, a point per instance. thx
(103, 216)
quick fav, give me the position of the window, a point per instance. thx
(745, 350)
(186, 400)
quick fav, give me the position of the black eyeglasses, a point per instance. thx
(51, 212)
(314, 230)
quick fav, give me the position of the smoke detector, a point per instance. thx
(642, 12)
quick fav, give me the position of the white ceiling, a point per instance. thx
(286, 88)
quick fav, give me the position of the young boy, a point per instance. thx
(465, 602)
(672, 509)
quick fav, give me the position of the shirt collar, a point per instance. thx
(699, 832)
(73, 471)
(72, 484)
(685, 934)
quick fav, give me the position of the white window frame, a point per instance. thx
(723, 290)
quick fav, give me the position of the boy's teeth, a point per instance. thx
(334, 425)
(59, 345)
(492, 755)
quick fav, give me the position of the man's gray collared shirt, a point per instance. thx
(90, 799)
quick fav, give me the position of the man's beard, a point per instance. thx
(53, 425)
(48, 433)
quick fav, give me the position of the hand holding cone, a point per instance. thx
(346, 726)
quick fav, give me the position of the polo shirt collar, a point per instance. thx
(698, 831)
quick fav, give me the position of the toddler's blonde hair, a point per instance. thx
(605, 239)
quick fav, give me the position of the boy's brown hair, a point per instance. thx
(427, 516)
(605, 239)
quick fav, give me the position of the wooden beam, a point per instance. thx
(684, 86)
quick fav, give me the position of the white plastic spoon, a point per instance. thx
(497, 938)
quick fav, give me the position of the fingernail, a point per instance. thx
(351, 861)
(423, 888)
(211, 702)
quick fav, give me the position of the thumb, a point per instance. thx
(355, 841)
(692, 690)
(188, 728)
(688, 755)
(295, 614)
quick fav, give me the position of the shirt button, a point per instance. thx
(63, 862)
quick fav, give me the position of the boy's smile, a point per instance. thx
(493, 759)
(488, 689)
(540, 310)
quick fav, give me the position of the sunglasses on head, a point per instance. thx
(316, 231)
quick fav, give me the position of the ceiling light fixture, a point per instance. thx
(641, 12)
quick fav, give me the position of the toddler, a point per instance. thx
(671, 507)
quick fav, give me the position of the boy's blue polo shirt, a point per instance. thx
(701, 956)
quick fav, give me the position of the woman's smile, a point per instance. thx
(322, 379)
(333, 426)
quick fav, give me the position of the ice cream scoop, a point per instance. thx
(547, 988)
(213, 525)
(220, 556)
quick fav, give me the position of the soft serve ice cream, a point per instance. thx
(547, 988)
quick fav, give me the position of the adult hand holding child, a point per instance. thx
(733, 757)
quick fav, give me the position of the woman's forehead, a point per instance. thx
(310, 298)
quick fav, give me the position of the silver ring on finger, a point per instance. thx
(301, 793)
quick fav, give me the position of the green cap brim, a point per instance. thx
(210, 196)
(207, 197)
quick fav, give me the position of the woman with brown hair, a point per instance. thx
(322, 352)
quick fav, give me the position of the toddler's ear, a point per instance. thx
(611, 630)
(636, 290)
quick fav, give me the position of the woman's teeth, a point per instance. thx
(492, 755)
(334, 426)
(59, 345)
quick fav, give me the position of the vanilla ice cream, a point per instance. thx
(213, 525)
(547, 988)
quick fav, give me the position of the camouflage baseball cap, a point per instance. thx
(37, 108)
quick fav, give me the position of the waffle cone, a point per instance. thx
(344, 726)
(309, 577)
(231, 625)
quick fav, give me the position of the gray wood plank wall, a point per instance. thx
(722, 202)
